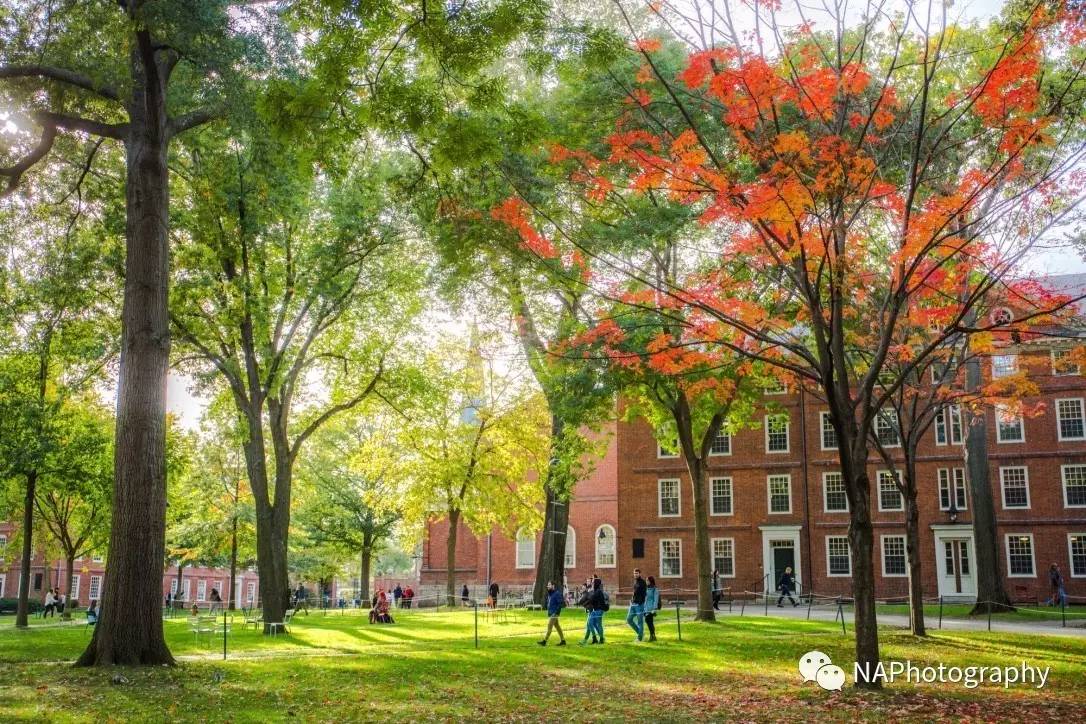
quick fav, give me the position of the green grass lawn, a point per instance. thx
(338, 668)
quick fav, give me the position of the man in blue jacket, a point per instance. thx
(556, 601)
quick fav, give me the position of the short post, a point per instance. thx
(476, 624)
(940, 612)
(678, 619)
(742, 607)
(989, 615)
(810, 602)
(224, 633)
(766, 602)
(1063, 610)
(841, 613)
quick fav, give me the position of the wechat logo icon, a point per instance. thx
(816, 666)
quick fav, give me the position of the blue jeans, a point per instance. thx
(595, 625)
(635, 619)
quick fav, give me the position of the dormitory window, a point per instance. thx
(1015, 482)
(776, 433)
(724, 556)
(1020, 556)
(668, 449)
(669, 497)
(1004, 365)
(952, 488)
(836, 500)
(525, 549)
(571, 548)
(886, 428)
(1009, 426)
(722, 444)
(948, 426)
(605, 547)
(889, 493)
(838, 557)
(95, 588)
(671, 558)
(893, 555)
(720, 500)
(780, 493)
(829, 434)
(1074, 486)
(1077, 545)
(1070, 419)
(1062, 363)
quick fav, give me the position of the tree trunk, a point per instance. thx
(450, 558)
(180, 580)
(129, 631)
(23, 608)
(69, 566)
(861, 538)
(233, 564)
(271, 557)
(912, 547)
(990, 591)
(703, 556)
(364, 566)
(552, 554)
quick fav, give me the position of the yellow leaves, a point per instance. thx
(982, 343)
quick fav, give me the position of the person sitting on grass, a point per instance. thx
(380, 613)
(555, 603)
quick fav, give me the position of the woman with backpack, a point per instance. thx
(597, 605)
(652, 605)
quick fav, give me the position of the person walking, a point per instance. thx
(465, 595)
(50, 604)
(585, 602)
(216, 600)
(494, 594)
(397, 594)
(786, 585)
(597, 606)
(717, 593)
(652, 605)
(1055, 579)
(556, 601)
(635, 614)
(62, 600)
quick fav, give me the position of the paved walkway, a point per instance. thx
(1076, 622)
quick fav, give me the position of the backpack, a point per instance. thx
(606, 602)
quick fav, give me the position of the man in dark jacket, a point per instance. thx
(597, 605)
(786, 585)
(556, 601)
(635, 616)
(493, 595)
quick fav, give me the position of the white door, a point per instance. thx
(957, 569)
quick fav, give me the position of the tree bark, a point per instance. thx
(69, 564)
(861, 538)
(129, 631)
(180, 579)
(23, 607)
(703, 556)
(450, 557)
(552, 554)
(233, 564)
(912, 547)
(364, 565)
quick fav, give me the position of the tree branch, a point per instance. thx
(193, 119)
(63, 75)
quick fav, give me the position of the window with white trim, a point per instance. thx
(250, 592)
(775, 387)
(1015, 484)
(838, 556)
(724, 556)
(1070, 419)
(173, 587)
(668, 497)
(1063, 364)
(887, 429)
(3, 580)
(780, 493)
(776, 432)
(1020, 555)
(834, 497)
(571, 548)
(1074, 486)
(1076, 549)
(720, 496)
(948, 426)
(1004, 365)
(722, 444)
(75, 587)
(525, 549)
(894, 560)
(829, 434)
(201, 590)
(605, 546)
(1010, 427)
(186, 589)
(96, 588)
(668, 449)
(952, 488)
(890, 497)
(671, 558)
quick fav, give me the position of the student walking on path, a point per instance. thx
(652, 605)
(1055, 578)
(50, 604)
(718, 594)
(635, 615)
(556, 601)
(597, 606)
(786, 585)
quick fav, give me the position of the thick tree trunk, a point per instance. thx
(912, 547)
(861, 538)
(23, 606)
(552, 555)
(703, 556)
(129, 630)
(233, 564)
(180, 580)
(450, 558)
(990, 590)
(69, 566)
(271, 556)
(365, 563)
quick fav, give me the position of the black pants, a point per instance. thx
(786, 593)
(651, 624)
(717, 595)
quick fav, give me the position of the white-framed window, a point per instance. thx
(834, 498)
(525, 549)
(98, 558)
(173, 588)
(571, 548)
(669, 501)
(201, 590)
(838, 556)
(1070, 419)
(186, 589)
(1076, 551)
(1004, 365)
(720, 496)
(1010, 427)
(779, 489)
(890, 497)
(1062, 364)
(724, 556)
(1020, 555)
(1074, 485)
(671, 558)
(250, 592)
(948, 426)
(829, 434)
(722, 443)
(667, 449)
(775, 387)
(776, 432)
(3, 580)
(952, 488)
(894, 560)
(605, 546)
(96, 588)
(3, 546)
(1015, 484)
(887, 429)
(75, 587)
